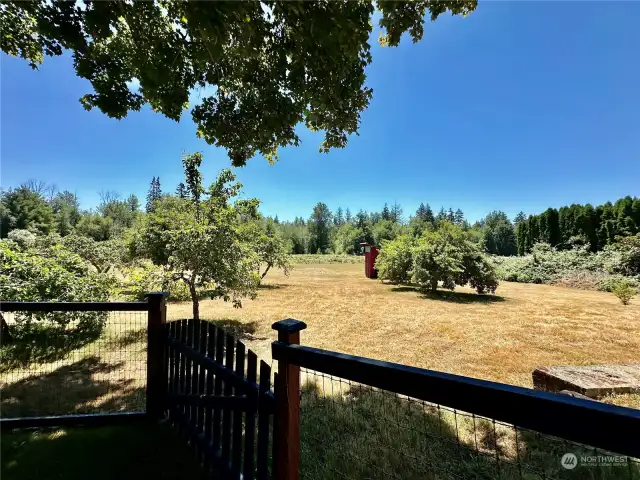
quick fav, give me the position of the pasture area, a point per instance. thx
(347, 431)
(501, 337)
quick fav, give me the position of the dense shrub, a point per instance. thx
(448, 256)
(395, 260)
(445, 256)
(546, 265)
(576, 268)
(55, 274)
(625, 256)
(23, 238)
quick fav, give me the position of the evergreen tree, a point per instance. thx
(421, 213)
(386, 214)
(338, 218)
(428, 216)
(181, 191)
(520, 217)
(442, 216)
(451, 217)
(522, 233)
(133, 203)
(459, 217)
(395, 213)
(319, 224)
(155, 193)
(347, 215)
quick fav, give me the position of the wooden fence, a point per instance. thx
(220, 398)
(217, 400)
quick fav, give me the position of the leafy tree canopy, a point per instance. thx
(271, 64)
(199, 239)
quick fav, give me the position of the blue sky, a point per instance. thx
(519, 106)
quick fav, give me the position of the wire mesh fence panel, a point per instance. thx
(64, 363)
(354, 431)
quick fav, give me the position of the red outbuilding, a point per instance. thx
(370, 254)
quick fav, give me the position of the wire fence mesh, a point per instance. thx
(73, 363)
(354, 431)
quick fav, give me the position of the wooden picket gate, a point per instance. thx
(216, 398)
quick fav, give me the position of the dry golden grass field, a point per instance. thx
(502, 337)
(348, 431)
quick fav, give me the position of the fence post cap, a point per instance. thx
(289, 325)
(156, 294)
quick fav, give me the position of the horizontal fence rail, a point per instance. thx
(73, 306)
(609, 427)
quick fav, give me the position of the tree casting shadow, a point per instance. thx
(448, 296)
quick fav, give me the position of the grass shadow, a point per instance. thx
(272, 286)
(128, 338)
(462, 297)
(42, 345)
(448, 296)
(72, 389)
(125, 453)
(362, 433)
(240, 330)
(357, 432)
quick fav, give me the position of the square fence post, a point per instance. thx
(157, 368)
(287, 418)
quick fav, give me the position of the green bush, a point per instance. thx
(625, 291)
(52, 274)
(395, 260)
(447, 255)
(24, 238)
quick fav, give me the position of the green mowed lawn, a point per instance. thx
(133, 452)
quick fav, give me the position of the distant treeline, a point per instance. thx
(569, 226)
(41, 209)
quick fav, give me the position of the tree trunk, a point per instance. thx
(434, 285)
(265, 272)
(196, 302)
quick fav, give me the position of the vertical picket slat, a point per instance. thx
(263, 423)
(171, 329)
(211, 351)
(228, 391)
(190, 366)
(274, 444)
(202, 348)
(195, 370)
(176, 360)
(250, 421)
(217, 389)
(183, 363)
(181, 377)
(236, 452)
